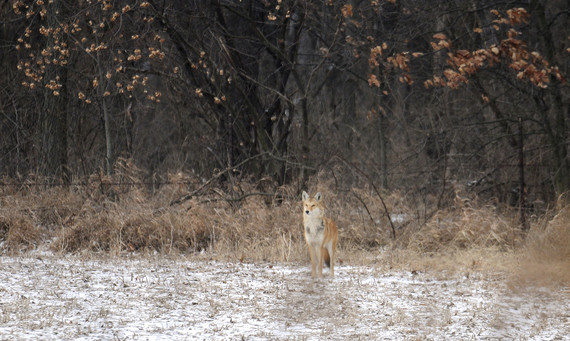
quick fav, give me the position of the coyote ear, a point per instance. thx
(318, 196)
(305, 196)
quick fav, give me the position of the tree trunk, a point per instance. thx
(305, 142)
(522, 187)
(53, 147)
(106, 119)
(53, 118)
(559, 129)
(383, 150)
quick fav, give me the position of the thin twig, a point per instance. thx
(216, 176)
(364, 204)
(246, 195)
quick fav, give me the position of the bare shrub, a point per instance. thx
(133, 225)
(91, 233)
(29, 213)
(19, 232)
(56, 206)
(466, 225)
(252, 229)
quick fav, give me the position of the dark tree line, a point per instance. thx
(419, 95)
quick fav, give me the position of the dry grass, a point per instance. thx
(111, 216)
(19, 232)
(546, 256)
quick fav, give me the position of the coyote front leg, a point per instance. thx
(313, 261)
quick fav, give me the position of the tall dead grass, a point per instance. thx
(546, 256)
(111, 215)
(465, 225)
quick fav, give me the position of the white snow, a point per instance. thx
(51, 297)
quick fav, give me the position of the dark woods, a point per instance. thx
(427, 97)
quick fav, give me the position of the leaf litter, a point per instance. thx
(67, 297)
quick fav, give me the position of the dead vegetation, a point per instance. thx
(546, 254)
(111, 215)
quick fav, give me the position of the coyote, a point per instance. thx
(321, 234)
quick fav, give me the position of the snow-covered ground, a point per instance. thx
(50, 297)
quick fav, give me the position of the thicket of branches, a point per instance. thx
(419, 96)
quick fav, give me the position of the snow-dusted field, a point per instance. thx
(50, 297)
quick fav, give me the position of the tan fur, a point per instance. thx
(321, 234)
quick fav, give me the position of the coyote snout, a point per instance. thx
(321, 234)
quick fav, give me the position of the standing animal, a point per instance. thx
(321, 234)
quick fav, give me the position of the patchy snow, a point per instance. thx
(50, 297)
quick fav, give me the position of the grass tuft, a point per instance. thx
(19, 232)
(546, 256)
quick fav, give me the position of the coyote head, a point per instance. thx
(312, 207)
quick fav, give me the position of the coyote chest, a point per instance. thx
(315, 231)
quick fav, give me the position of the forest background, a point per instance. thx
(184, 126)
